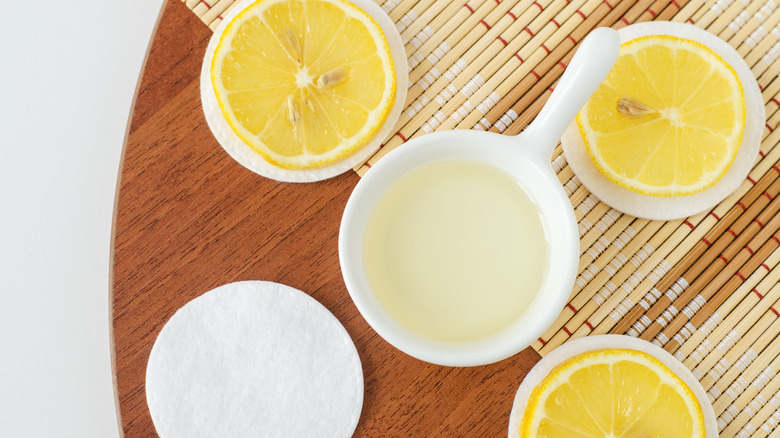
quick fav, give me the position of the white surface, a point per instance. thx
(592, 343)
(254, 358)
(675, 207)
(68, 74)
(248, 158)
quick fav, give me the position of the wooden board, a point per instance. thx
(189, 218)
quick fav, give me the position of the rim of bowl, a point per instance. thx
(546, 306)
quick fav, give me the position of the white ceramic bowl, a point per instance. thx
(527, 158)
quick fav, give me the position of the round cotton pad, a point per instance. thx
(250, 159)
(254, 358)
(676, 207)
(593, 343)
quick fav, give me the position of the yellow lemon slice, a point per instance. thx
(303, 83)
(612, 393)
(668, 119)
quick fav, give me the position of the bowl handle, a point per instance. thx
(586, 71)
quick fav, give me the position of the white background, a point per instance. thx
(68, 71)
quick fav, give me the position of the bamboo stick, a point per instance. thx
(751, 355)
(746, 21)
(414, 25)
(762, 376)
(721, 322)
(450, 30)
(216, 22)
(218, 9)
(396, 10)
(191, 3)
(736, 415)
(749, 333)
(721, 295)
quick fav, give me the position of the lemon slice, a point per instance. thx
(668, 119)
(612, 393)
(303, 83)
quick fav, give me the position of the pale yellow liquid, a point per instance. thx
(455, 251)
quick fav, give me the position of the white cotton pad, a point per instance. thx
(254, 359)
(592, 343)
(250, 159)
(676, 207)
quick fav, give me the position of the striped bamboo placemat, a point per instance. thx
(706, 288)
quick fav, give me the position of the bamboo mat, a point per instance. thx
(705, 288)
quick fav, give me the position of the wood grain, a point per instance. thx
(188, 218)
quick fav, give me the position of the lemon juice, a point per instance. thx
(455, 251)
